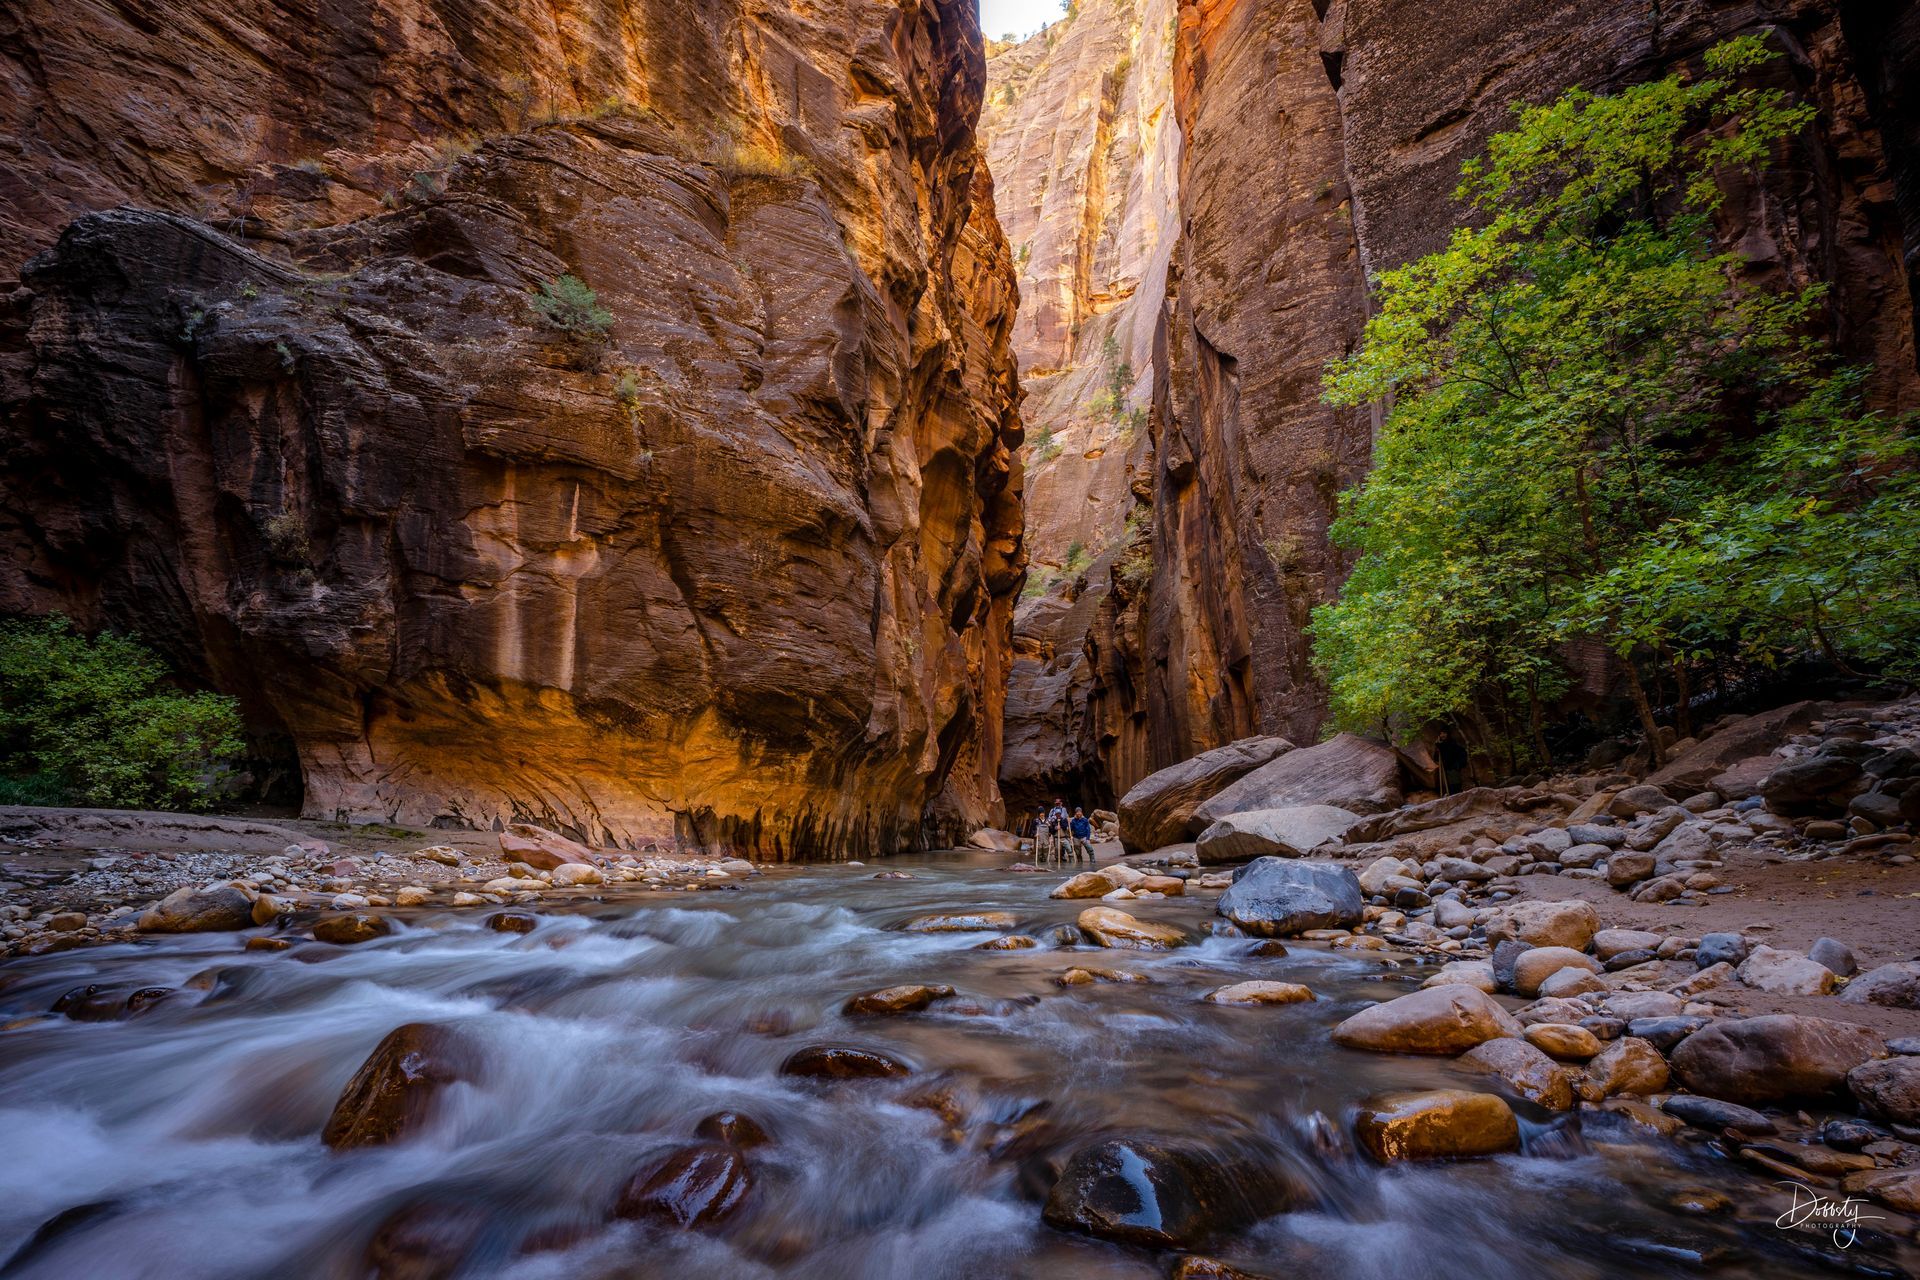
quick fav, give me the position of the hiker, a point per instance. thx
(1056, 827)
(1452, 759)
(1082, 830)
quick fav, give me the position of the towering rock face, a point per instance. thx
(739, 572)
(1084, 149)
(1320, 143)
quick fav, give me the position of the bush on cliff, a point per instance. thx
(97, 722)
(1602, 431)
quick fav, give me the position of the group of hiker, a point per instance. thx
(1058, 833)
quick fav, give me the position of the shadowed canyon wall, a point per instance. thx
(1084, 149)
(274, 396)
(1319, 141)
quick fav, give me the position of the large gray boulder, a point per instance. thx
(1897, 986)
(1273, 897)
(1156, 810)
(1284, 833)
(1347, 772)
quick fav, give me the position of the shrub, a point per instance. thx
(97, 722)
(568, 305)
(756, 160)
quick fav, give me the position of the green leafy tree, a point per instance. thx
(96, 722)
(1592, 410)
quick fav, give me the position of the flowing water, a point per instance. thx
(185, 1142)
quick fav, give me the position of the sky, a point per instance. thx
(1021, 17)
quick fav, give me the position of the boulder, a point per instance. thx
(1816, 784)
(1275, 897)
(1757, 735)
(1628, 1065)
(1711, 1113)
(1111, 927)
(1546, 924)
(1772, 1058)
(1473, 973)
(1896, 1188)
(513, 922)
(394, 1091)
(1529, 1072)
(1896, 986)
(540, 848)
(224, 907)
(1435, 1020)
(1627, 867)
(1157, 810)
(1888, 1090)
(735, 1128)
(1537, 964)
(907, 998)
(1719, 948)
(693, 1187)
(1161, 1195)
(1634, 801)
(569, 874)
(960, 922)
(1571, 980)
(1260, 992)
(1785, 973)
(1286, 833)
(995, 839)
(1436, 1124)
(1347, 772)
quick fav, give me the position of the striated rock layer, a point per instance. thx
(1321, 142)
(741, 575)
(1080, 135)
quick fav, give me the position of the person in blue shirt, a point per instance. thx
(1082, 830)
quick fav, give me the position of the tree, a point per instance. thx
(97, 722)
(1591, 411)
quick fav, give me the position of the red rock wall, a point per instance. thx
(747, 581)
(1321, 142)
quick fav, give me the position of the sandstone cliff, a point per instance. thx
(1320, 142)
(276, 397)
(1081, 139)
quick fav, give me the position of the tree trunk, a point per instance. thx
(1656, 756)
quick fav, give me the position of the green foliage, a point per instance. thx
(1042, 447)
(568, 305)
(1076, 556)
(1600, 429)
(1134, 567)
(95, 722)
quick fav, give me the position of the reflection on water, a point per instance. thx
(185, 1142)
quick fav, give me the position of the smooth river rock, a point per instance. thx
(1773, 1058)
(1275, 897)
(1287, 833)
(1437, 1020)
(394, 1091)
(1111, 927)
(1160, 1194)
(1436, 1124)
(1156, 810)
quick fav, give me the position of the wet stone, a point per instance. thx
(428, 1240)
(513, 922)
(735, 1128)
(694, 1187)
(1436, 1124)
(1711, 1113)
(346, 930)
(393, 1092)
(907, 998)
(838, 1062)
(1148, 1192)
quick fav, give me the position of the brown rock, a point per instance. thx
(1012, 942)
(909, 998)
(1537, 965)
(1082, 975)
(541, 849)
(1345, 772)
(1888, 1090)
(1260, 992)
(1530, 1073)
(393, 1092)
(964, 922)
(1562, 1041)
(1771, 1058)
(1438, 1020)
(1545, 924)
(1146, 1192)
(1436, 1124)
(1156, 811)
(198, 911)
(1111, 928)
(1895, 1188)
(426, 1240)
(734, 1128)
(513, 922)
(355, 926)
(694, 1187)
(1088, 884)
(838, 1062)
(1627, 1065)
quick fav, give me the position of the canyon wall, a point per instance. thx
(1084, 149)
(730, 563)
(1320, 142)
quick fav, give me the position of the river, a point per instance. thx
(184, 1142)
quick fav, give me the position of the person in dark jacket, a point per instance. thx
(1082, 836)
(1452, 759)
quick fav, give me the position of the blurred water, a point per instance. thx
(185, 1142)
